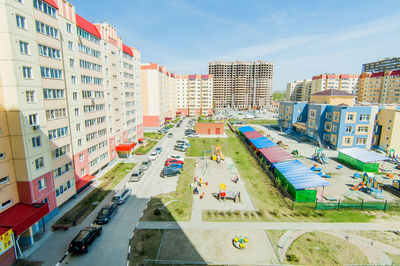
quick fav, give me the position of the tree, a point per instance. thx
(278, 96)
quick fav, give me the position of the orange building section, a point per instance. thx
(210, 128)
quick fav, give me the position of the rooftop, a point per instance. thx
(332, 92)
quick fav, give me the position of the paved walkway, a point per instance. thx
(301, 226)
(286, 241)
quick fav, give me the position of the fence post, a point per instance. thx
(362, 204)
(384, 208)
(316, 203)
(338, 205)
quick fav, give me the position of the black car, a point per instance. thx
(106, 213)
(82, 242)
(170, 172)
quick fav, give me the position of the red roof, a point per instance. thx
(332, 92)
(83, 181)
(52, 3)
(87, 26)
(205, 76)
(127, 50)
(150, 66)
(395, 73)
(379, 74)
(275, 154)
(192, 76)
(253, 134)
(125, 147)
(21, 216)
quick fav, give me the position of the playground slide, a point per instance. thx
(357, 187)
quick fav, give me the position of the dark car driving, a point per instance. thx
(82, 242)
(106, 213)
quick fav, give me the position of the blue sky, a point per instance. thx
(302, 38)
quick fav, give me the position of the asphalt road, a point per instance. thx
(111, 247)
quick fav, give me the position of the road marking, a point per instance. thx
(132, 234)
(127, 263)
(129, 250)
(136, 225)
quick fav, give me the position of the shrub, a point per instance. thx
(237, 213)
(260, 212)
(229, 213)
(157, 212)
(246, 213)
(274, 212)
(292, 258)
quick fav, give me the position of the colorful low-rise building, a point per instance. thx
(387, 130)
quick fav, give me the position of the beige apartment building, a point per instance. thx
(380, 87)
(70, 94)
(298, 90)
(242, 84)
(194, 95)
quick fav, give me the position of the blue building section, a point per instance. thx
(334, 126)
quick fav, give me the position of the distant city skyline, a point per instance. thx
(302, 38)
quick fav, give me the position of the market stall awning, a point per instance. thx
(83, 181)
(140, 139)
(300, 176)
(125, 147)
(363, 155)
(246, 129)
(253, 134)
(262, 142)
(276, 154)
(21, 216)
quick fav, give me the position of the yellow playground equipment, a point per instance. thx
(218, 156)
(224, 194)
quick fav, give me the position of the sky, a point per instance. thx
(302, 38)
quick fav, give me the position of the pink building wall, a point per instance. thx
(139, 131)
(111, 145)
(152, 121)
(78, 165)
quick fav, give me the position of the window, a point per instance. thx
(33, 119)
(328, 115)
(349, 129)
(361, 141)
(72, 62)
(347, 140)
(53, 93)
(6, 204)
(39, 163)
(58, 133)
(88, 36)
(63, 188)
(46, 29)
(350, 117)
(326, 137)
(69, 28)
(24, 47)
(61, 151)
(27, 72)
(83, 171)
(70, 45)
(42, 184)
(81, 157)
(328, 126)
(4, 180)
(36, 142)
(30, 96)
(75, 95)
(364, 117)
(20, 21)
(45, 8)
(336, 117)
(79, 142)
(78, 127)
(62, 169)
(49, 52)
(52, 73)
(362, 129)
(76, 111)
(334, 127)
(73, 80)
(56, 113)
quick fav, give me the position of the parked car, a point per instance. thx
(153, 156)
(170, 135)
(176, 157)
(122, 196)
(193, 136)
(180, 148)
(136, 175)
(185, 142)
(158, 150)
(82, 242)
(174, 166)
(170, 172)
(162, 131)
(106, 213)
(171, 161)
(145, 165)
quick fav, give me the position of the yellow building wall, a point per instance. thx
(333, 100)
(390, 122)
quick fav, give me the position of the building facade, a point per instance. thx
(379, 87)
(158, 95)
(70, 94)
(387, 64)
(194, 95)
(298, 90)
(387, 130)
(241, 84)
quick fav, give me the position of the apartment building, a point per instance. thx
(242, 84)
(380, 87)
(194, 95)
(382, 65)
(70, 92)
(158, 95)
(298, 90)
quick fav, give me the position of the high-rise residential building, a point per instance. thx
(242, 84)
(302, 90)
(158, 95)
(194, 95)
(379, 87)
(387, 64)
(70, 94)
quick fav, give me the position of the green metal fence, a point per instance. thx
(352, 205)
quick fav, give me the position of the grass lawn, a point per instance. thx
(267, 199)
(177, 205)
(81, 210)
(152, 135)
(274, 236)
(146, 148)
(395, 258)
(205, 119)
(176, 120)
(387, 237)
(258, 121)
(317, 248)
(144, 246)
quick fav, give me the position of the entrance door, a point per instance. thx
(209, 131)
(217, 131)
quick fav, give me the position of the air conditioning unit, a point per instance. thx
(36, 127)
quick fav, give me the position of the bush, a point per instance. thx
(157, 212)
(292, 258)
(274, 212)
(260, 212)
(237, 213)
(229, 213)
(246, 213)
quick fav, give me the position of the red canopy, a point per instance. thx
(52, 3)
(21, 216)
(83, 181)
(276, 154)
(253, 134)
(125, 147)
(140, 139)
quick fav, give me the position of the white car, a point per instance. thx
(153, 156)
(193, 136)
(176, 157)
